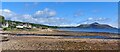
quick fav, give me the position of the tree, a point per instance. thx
(2, 20)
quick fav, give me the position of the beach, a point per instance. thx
(50, 43)
(49, 26)
(53, 40)
(54, 32)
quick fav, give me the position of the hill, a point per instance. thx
(95, 25)
(32, 24)
(13, 24)
(1, 19)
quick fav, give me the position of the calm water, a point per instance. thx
(62, 36)
(89, 30)
(79, 30)
(96, 37)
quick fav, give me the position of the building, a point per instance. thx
(24, 26)
(5, 25)
(19, 26)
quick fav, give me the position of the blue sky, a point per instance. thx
(62, 13)
(60, 0)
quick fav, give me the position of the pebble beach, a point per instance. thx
(57, 42)
(50, 43)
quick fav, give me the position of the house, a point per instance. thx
(34, 27)
(19, 26)
(24, 26)
(29, 26)
(5, 25)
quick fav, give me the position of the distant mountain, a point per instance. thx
(96, 25)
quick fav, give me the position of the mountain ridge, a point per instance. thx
(93, 25)
(96, 25)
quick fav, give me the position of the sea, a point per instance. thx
(81, 30)
(90, 30)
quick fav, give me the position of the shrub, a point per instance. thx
(4, 28)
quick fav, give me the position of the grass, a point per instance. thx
(16, 29)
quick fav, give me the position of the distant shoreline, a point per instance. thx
(53, 32)
(61, 31)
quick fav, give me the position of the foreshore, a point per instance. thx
(52, 32)
(58, 43)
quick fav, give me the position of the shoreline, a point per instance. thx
(52, 32)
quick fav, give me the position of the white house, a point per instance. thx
(5, 25)
(19, 26)
(24, 26)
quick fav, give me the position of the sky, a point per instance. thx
(62, 13)
(60, 0)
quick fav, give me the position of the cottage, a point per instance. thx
(5, 25)
(24, 26)
(19, 26)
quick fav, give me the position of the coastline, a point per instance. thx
(54, 32)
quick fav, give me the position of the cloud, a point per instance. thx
(35, 3)
(78, 14)
(26, 4)
(6, 10)
(90, 19)
(72, 24)
(7, 13)
(96, 11)
(94, 19)
(46, 13)
(48, 17)
(97, 19)
(100, 20)
(114, 25)
(45, 16)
